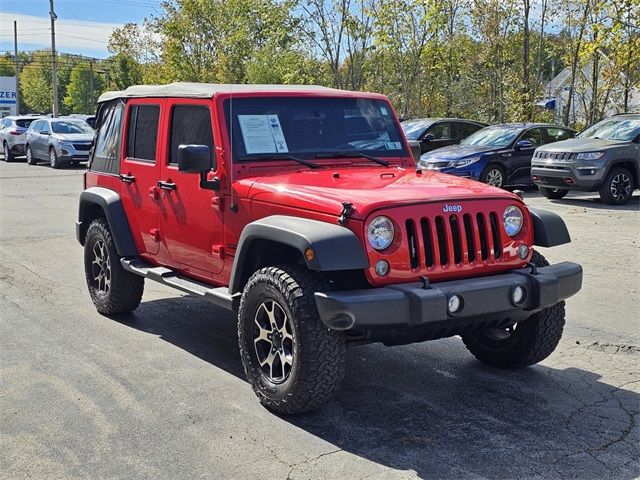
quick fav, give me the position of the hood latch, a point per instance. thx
(347, 211)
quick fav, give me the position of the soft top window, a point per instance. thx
(106, 155)
(190, 125)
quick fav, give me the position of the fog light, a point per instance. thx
(523, 251)
(455, 304)
(518, 295)
(382, 268)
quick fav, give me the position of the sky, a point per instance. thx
(83, 26)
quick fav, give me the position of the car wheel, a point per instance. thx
(617, 187)
(293, 362)
(53, 158)
(553, 193)
(493, 175)
(31, 160)
(523, 344)
(113, 290)
(8, 156)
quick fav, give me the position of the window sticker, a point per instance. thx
(383, 110)
(393, 145)
(262, 134)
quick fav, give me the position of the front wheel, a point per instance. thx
(53, 158)
(553, 193)
(493, 175)
(113, 290)
(523, 344)
(617, 187)
(293, 362)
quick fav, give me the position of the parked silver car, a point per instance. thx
(60, 141)
(13, 131)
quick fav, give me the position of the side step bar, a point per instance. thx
(217, 295)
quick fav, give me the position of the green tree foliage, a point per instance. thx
(83, 90)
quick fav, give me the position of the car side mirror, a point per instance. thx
(197, 159)
(429, 137)
(523, 145)
(415, 150)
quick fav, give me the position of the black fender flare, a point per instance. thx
(549, 230)
(335, 247)
(111, 205)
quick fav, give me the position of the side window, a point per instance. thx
(44, 127)
(106, 156)
(142, 132)
(5, 123)
(442, 131)
(557, 134)
(467, 129)
(190, 125)
(534, 135)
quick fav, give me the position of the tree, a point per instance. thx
(85, 86)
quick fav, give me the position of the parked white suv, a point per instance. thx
(13, 134)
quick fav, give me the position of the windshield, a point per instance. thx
(623, 129)
(492, 137)
(67, 126)
(413, 129)
(307, 126)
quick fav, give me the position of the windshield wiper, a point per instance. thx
(277, 156)
(377, 160)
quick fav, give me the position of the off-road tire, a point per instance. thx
(126, 288)
(319, 354)
(487, 172)
(8, 156)
(532, 341)
(605, 190)
(553, 193)
(54, 161)
(31, 160)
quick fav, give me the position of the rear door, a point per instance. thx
(444, 134)
(139, 171)
(190, 218)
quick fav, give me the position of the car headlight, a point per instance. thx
(590, 156)
(512, 220)
(464, 162)
(380, 232)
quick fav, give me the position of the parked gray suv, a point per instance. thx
(603, 158)
(59, 141)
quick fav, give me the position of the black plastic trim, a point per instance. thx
(549, 230)
(336, 247)
(111, 205)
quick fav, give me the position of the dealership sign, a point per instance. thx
(8, 96)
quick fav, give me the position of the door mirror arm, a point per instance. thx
(213, 184)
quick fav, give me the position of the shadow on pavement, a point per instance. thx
(588, 200)
(432, 408)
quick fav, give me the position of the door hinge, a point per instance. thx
(218, 202)
(217, 251)
(155, 234)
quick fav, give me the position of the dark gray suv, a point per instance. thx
(604, 158)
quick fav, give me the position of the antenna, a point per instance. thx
(234, 206)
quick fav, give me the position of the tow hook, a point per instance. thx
(425, 283)
(533, 267)
(347, 211)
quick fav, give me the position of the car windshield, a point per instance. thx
(413, 129)
(305, 127)
(70, 126)
(499, 136)
(623, 129)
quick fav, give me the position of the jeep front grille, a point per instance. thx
(455, 239)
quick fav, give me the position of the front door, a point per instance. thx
(139, 172)
(521, 159)
(191, 219)
(40, 147)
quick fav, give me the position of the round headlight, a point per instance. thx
(380, 232)
(512, 220)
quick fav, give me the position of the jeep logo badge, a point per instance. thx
(452, 208)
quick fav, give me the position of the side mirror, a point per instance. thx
(194, 158)
(523, 145)
(415, 150)
(429, 137)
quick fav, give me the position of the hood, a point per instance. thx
(579, 145)
(456, 152)
(367, 189)
(74, 137)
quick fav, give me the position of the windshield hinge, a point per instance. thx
(347, 210)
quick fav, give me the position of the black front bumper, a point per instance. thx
(413, 304)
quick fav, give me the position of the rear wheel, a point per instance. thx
(8, 156)
(617, 187)
(292, 360)
(523, 344)
(113, 290)
(493, 175)
(553, 193)
(53, 158)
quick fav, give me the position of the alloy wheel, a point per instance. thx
(494, 177)
(52, 158)
(29, 156)
(273, 341)
(101, 268)
(6, 152)
(620, 186)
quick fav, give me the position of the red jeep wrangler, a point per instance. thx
(300, 209)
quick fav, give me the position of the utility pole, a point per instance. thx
(15, 48)
(91, 80)
(54, 65)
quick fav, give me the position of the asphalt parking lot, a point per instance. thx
(161, 394)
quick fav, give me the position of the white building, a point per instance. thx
(8, 96)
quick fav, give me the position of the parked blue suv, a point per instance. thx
(499, 155)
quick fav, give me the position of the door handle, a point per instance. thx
(167, 185)
(127, 178)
